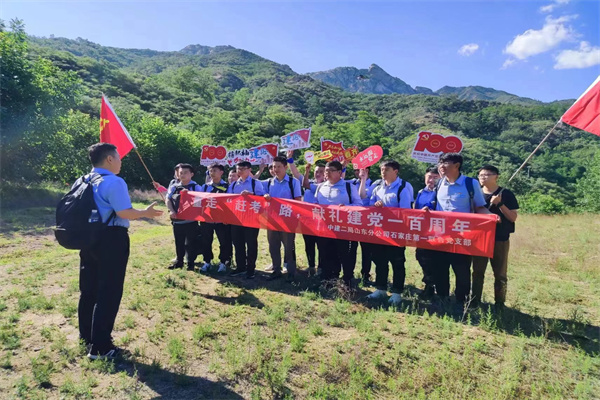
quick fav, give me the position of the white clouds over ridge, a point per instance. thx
(468, 49)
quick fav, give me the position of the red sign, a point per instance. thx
(429, 146)
(463, 233)
(367, 157)
(213, 154)
(338, 153)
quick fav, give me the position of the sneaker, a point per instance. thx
(274, 275)
(366, 280)
(269, 268)
(238, 272)
(377, 295)
(110, 354)
(427, 292)
(205, 267)
(222, 268)
(284, 269)
(395, 299)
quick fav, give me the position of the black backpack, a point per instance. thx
(176, 196)
(253, 183)
(78, 220)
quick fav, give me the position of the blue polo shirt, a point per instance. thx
(425, 197)
(111, 194)
(388, 194)
(336, 194)
(240, 185)
(455, 197)
(281, 189)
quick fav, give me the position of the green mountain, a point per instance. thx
(174, 102)
(376, 81)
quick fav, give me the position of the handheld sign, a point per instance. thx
(213, 154)
(367, 157)
(430, 146)
(299, 139)
(338, 152)
(312, 156)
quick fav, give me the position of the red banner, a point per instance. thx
(463, 233)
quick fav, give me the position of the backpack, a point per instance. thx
(78, 220)
(381, 182)
(176, 196)
(468, 183)
(290, 181)
(348, 190)
(215, 189)
(253, 186)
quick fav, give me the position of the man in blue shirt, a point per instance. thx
(365, 191)
(208, 229)
(336, 191)
(455, 194)
(391, 192)
(243, 236)
(185, 232)
(282, 186)
(102, 267)
(310, 241)
(426, 198)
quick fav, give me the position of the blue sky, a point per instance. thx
(546, 50)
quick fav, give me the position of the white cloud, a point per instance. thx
(532, 42)
(468, 49)
(585, 57)
(550, 7)
(508, 63)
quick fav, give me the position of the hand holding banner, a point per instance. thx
(367, 157)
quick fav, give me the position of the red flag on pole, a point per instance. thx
(112, 129)
(585, 112)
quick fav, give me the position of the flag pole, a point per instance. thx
(147, 170)
(535, 150)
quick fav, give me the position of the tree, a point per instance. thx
(588, 190)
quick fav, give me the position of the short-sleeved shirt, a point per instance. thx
(281, 189)
(368, 188)
(505, 227)
(425, 197)
(388, 194)
(240, 185)
(336, 194)
(454, 197)
(111, 194)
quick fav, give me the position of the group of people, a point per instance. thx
(446, 189)
(102, 272)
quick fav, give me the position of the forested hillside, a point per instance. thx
(173, 102)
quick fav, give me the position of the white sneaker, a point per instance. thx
(378, 294)
(269, 268)
(205, 267)
(395, 299)
(284, 270)
(222, 268)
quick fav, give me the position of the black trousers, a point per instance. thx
(461, 265)
(366, 257)
(310, 242)
(186, 236)
(101, 277)
(337, 256)
(426, 259)
(223, 235)
(383, 256)
(245, 241)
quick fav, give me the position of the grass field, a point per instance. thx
(209, 336)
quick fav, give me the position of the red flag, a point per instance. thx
(112, 129)
(585, 112)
